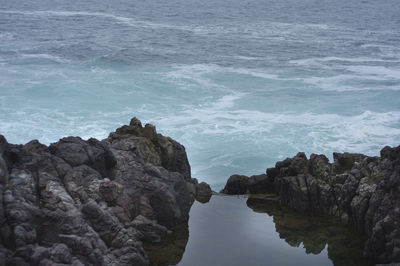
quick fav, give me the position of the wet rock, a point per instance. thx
(171, 249)
(192, 187)
(152, 232)
(256, 184)
(204, 192)
(259, 184)
(237, 184)
(359, 190)
(91, 202)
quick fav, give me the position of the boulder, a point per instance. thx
(204, 192)
(236, 184)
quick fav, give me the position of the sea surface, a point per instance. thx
(241, 84)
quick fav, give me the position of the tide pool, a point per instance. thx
(236, 230)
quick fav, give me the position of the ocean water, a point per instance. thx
(241, 84)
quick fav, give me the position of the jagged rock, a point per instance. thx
(90, 202)
(260, 184)
(320, 166)
(237, 184)
(92, 153)
(345, 161)
(152, 147)
(359, 190)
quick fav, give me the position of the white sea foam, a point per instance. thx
(199, 70)
(271, 29)
(49, 125)
(345, 82)
(66, 14)
(376, 71)
(338, 60)
(186, 75)
(123, 20)
(220, 132)
(351, 78)
(227, 101)
(45, 56)
(256, 29)
(248, 58)
(365, 132)
(353, 74)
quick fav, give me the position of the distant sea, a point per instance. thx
(241, 84)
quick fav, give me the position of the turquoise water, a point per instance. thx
(241, 84)
(232, 230)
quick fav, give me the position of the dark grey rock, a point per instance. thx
(360, 190)
(237, 184)
(204, 192)
(259, 184)
(152, 147)
(345, 161)
(91, 202)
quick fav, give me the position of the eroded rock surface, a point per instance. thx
(358, 189)
(91, 202)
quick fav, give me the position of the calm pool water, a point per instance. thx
(236, 230)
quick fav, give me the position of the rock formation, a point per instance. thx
(360, 190)
(91, 202)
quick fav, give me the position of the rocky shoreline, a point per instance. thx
(78, 202)
(93, 202)
(360, 190)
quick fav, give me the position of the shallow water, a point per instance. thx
(235, 230)
(242, 84)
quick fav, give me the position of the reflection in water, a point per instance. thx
(171, 249)
(315, 232)
(227, 232)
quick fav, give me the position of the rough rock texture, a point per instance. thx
(91, 202)
(360, 190)
(241, 184)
